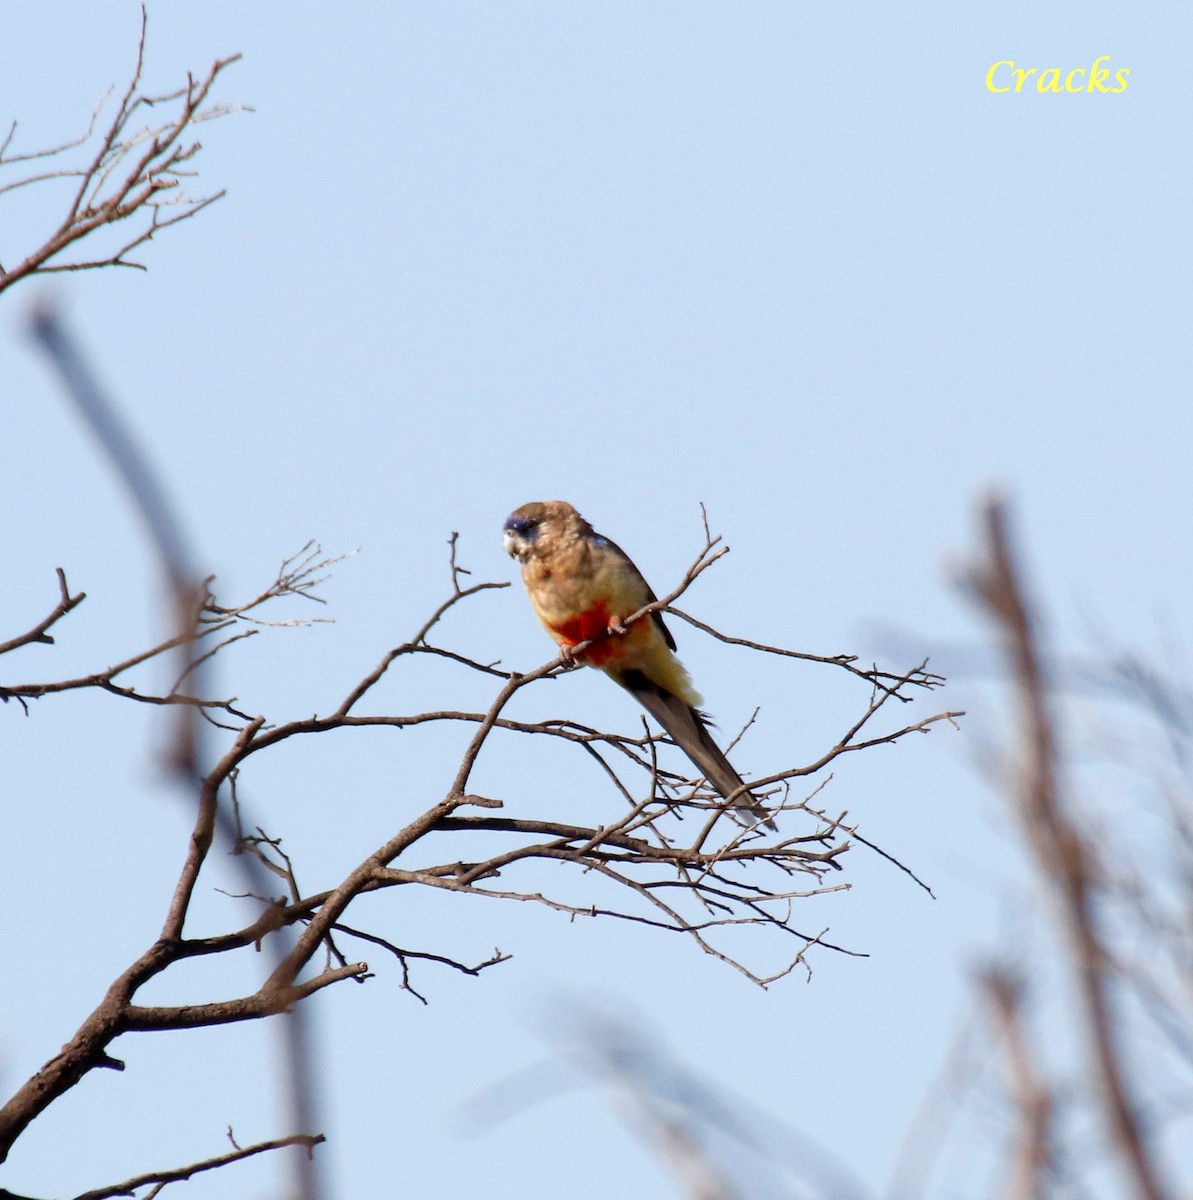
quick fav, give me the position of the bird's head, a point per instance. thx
(526, 527)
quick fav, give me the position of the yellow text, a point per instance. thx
(1005, 76)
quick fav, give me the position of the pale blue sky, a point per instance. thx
(790, 260)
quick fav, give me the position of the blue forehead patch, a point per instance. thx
(526, 527)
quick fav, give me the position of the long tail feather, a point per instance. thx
(688, 730)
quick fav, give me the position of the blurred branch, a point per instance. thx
(88, 1048)
(1034, 1165)
(717, 1145)
(133, 176)
(1063, 856)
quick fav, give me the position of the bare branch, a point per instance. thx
(180, 1174)
(404, 956)
(40, 631)
(298, 577)
(919, 677)
(135, 177)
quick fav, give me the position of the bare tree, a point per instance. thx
(674, 861)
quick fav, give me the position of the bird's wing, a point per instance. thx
(636, 581)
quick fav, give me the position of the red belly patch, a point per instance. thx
(593, 625)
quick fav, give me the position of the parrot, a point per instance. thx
(582, 586)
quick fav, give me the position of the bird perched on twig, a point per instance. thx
(582, 587)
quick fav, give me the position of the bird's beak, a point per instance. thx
(513, 543)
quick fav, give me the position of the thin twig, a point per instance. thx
(180, 1174)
